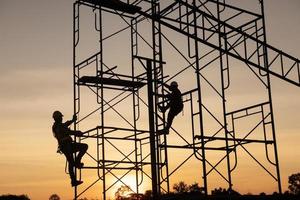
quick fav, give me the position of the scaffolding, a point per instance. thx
(206, 45)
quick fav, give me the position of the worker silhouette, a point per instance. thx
(67, 146)
(174, 104)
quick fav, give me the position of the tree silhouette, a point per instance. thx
(219, 191)
(147, 195)
(14, 197)
(294, 183)
(180, 187)
(222, 191)
(54, 197)
(123, 192)
(262, 194)
(194, 188)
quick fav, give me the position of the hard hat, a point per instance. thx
(57, 114)
(174, 84)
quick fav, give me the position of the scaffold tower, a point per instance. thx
(124, 52)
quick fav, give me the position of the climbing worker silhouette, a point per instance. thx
(174, 104)
(67, 146)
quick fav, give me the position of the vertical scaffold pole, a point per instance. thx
(199, 96)
(152, 131)
(74, 72)
(224, 100)
(266, 64)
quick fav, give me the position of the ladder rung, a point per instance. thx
(267, 123)
(197, 113)
(260, 35)
(225, 69)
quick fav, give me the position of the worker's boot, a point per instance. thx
(162, 108)
(76, 183)
(79, 165)
(164, 131)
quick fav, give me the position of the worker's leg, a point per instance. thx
(163, 108)
(81, 148)
(67, 150)
(171, 115)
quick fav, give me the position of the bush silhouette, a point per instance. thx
(294, 184)
(180, 187)
(14, 197)
(54, 197)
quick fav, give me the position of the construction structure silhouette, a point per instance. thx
(214, 50)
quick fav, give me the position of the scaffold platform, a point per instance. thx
(111, 81)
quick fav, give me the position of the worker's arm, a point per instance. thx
(167, 95)
(164, 95)
(76, 133)
(68, 123)
(167, 86)
(164, 84)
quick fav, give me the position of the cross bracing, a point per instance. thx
(204, 45)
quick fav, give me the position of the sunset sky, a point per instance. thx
(36, 79)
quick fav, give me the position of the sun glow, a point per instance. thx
(127, 187)
(123, 192)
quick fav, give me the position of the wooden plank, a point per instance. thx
(111, 81)
(116, 5)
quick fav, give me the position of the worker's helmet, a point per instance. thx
(174, 84)
(57, 114)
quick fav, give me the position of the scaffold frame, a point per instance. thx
(213, 40)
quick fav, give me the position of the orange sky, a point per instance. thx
(36, 78)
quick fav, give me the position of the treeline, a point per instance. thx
(14, 197)
(193, 196)
(182, 191)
